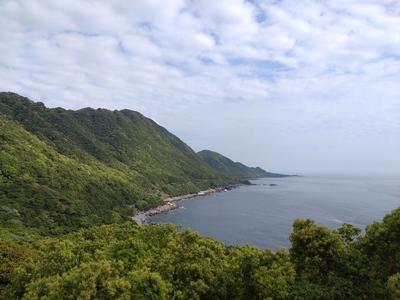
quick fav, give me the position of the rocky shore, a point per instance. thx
(170, 203)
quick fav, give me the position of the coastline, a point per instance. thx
(170, 203)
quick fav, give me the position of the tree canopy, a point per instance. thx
(125, 261)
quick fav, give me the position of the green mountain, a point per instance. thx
(63, 169)
(223, 165)
(42, 188)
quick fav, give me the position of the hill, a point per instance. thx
(124, 140)
(63, 169)
(44, 189)
(223, 165)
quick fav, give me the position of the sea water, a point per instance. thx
(262, 214)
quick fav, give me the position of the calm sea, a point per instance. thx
(262, 214)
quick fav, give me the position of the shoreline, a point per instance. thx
(170, 203)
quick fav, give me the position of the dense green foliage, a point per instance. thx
(44, 189)
(61, 169)
(160, 262)
(223, 165)
(124, 140)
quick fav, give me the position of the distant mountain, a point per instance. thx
(223, 165)
(63, 169)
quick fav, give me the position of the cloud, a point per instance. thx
(291, 86)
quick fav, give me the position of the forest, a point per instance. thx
(125, 261)
(70, 180)
(61, 170)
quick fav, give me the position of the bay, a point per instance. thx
(262, 214)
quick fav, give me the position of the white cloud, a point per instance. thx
(284, 84)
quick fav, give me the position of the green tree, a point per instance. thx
(348, 232)
(393, 286)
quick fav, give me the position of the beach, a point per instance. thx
(170, 203)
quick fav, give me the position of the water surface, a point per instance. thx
(262, 215)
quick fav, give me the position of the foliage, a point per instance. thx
(394, 286)
(43, 189)
(151, 262)
(12, 255)
(61, 170)
(223, 165)
(125, 261)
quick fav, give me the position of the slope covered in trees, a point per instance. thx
(62, 169)
(124, 140)
(223, 165)
(124, 261)
(42, 188)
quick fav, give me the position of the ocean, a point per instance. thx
(262, 214)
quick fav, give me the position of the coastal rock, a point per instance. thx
(170, 203)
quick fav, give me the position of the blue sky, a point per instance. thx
(292, 86)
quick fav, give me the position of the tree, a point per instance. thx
(393, 286)
(348, 232)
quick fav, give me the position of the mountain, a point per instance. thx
(44, 189)
(223, 165)
(124, 140)
(63, 169)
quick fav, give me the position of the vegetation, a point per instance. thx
(69, 179)
(61, 170)
(223, 165)
(124, 261)
(43, 189)
(123, 140)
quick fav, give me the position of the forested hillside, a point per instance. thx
(223, 165)
(42, 188)
(124, 140)
(124, 261)
(64, 172)
(61, 169)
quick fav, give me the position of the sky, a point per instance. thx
(291, 86)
